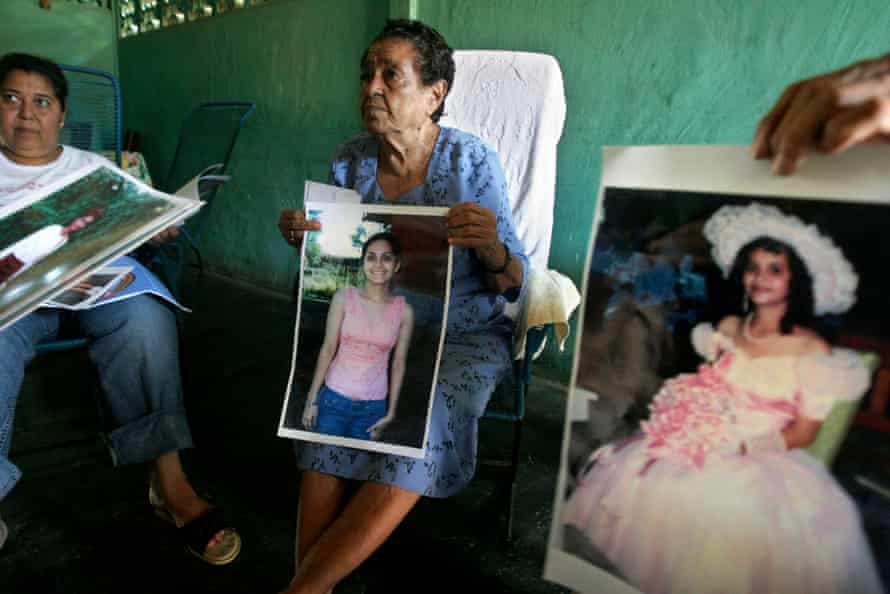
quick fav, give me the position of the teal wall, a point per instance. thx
(72, 33)
(298, 60)
(659, 72)
(636, 72)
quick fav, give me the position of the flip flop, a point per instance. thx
(199, 531)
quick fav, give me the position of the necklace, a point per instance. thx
(746, 331)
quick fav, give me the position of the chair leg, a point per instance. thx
(514, 468)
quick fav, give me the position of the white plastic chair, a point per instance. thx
(515, 102)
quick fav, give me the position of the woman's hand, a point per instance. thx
(376, 430)
(165, 236)
(83, 287)
(474, 226)
(831, 113)
(310, 413)
(293, 223)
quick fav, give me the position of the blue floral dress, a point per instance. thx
(476, 353)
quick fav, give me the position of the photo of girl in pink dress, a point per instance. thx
(715, 492)
(360, 368)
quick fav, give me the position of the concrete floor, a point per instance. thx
(79, 526)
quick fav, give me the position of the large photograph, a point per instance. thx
(50, 239)
(373, 297)
(728, 340)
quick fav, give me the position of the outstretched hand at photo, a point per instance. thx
(829, 113)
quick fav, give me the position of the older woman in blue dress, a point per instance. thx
(407, 158)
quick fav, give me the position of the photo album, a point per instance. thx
(53, 238)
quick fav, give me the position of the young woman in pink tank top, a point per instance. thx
(359, 371)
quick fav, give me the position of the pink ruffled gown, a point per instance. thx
(678, 510)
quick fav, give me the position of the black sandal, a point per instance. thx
(197, 533)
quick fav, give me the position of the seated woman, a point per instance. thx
(133, 338)
(361, 365)
(716, 494)
(407, 158)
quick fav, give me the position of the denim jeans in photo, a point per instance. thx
(345, 417)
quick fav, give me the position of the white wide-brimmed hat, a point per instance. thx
(733, 227)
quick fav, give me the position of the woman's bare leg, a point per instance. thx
(366, 522)
(178, 494)
(321, 499)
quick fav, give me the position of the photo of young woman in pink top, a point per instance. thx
(360, 367)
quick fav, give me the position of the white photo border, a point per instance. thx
(362, 444)
(182, 208)
(857, 176)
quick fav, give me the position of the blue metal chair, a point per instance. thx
(92, 123)
(93, 120)
(207, 137)
(507, 405)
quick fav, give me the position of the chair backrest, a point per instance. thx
(835, 427)
(207, 137)
(93, 119)
(515, 102)
(92, 123)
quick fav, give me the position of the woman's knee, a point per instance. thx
(15, 350)
(18, 341)
(141, 321)
(315, 485)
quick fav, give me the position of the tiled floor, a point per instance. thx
(78, 526)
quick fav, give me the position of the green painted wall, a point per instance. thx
(636, 71)
(72, 33)
(659, 72)
(298, 61)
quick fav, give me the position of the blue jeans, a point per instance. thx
(343, 416)
(134, 346)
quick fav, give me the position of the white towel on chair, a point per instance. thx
(549, 298)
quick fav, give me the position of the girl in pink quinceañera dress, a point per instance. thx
(716, 495)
